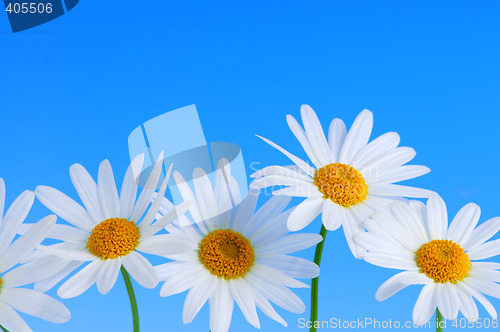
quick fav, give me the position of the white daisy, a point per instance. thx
(237, 256)
(108, 232)
(417, 239)
(351, 178)
(13, 298)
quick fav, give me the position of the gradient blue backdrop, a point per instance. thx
(73, 89)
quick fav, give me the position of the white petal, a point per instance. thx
(81, 281)
(205, 197)
(26, 243)
(301, 137)
(275, 276)
(288, 171)
(437, 217)
(68, 233)
(388, 161)
(336, 137)
(304, 213)
(166, 244)
(272, 208)
(425, 305)
(278, 180)
(331, 215)
(36, 304)
(466, 304)
(87, 190)
(401, 173)
(377, 147)
(128, 191)
(280, 295)
(352, 227)
(11, 319)
(188, 196)
(245, 211)
(148, 190)
(400, 281)
(302, 190)
(464, 222)
(41, 268)
(65, 207)
(46, 284)
(266, 307)
(398, 190)
(106, 190)
(416, 227)
(242, 294)
(315, 135)
(72, 251)
(447, 300)
(486, 250)
(295, 267)
(196, 298)
(297, 161)
(464, 291)
(14, 216)
(221, 308)
(389, 261)
(107, 274)
(140, 269)
(2, 199)
(181, 281)
(155, 206)
(290, 243)
(357, 137)
(482, 233)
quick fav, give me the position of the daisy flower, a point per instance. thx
(12, 298)
(239, 255)
(351, 178)
(109, 232)
(417, 239)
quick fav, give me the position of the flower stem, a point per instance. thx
(131, 296)
(4, 329)
(315, 281)
(439, 319)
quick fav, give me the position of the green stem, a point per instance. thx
(4, 329)
(315, 281)
(439, 319)
(131, 296)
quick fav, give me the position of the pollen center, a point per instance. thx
(443, 260)
(226, 254)
(341, 183)
(113, 237)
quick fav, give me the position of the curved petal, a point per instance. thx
(304, 213)
(36, 304)
(11, 320)
(399, 281)
(81, 281)
(299, 133)
(87, 190)
(425, 305)
(315, 135)
(464, 222)
(140, 269)
(65, 207)
(107, 274)
(357, 137)
(14, 217)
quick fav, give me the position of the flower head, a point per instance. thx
(417, 239)
(239, 255)
(12, 297)
(109, 232)
(351, 178)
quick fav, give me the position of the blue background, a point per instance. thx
(73, 89)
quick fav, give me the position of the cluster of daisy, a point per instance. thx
(222, 249)
(352, 185)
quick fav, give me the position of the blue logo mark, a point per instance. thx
(26, 14)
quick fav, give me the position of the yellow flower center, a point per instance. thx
(113, 237)
(341, 183)
(226, 254)
(443, 260)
